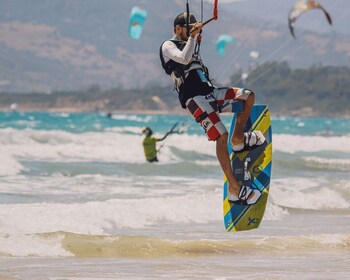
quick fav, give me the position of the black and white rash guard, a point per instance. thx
(172, 52)
(187, 71)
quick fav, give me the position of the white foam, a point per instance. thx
(207, 163)
(134, 118)
(307, 194)
(296, 183)
(343, 186)
(9, 166)
(340, 164)
(149, 207)
(332, 240)
(65, 146)
(118, 146)
(125, 145)
(88, 218)
(127, 129)
(63, 115)
(22, 245)
(193, 143)
(94, 146)
(296, 143)
(154, 206)
(274, 212)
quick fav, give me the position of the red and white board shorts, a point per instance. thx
(205, 109)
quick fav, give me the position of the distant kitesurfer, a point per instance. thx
(149, 143)
(182, 62)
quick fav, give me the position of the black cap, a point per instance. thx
(147, 130)
(181, 19)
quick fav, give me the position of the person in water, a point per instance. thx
(149, 144)
(181, 60)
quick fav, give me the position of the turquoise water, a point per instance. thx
(78, 186)
(86, 122)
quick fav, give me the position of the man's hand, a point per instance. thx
(196, 28)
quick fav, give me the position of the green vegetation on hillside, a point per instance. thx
(323, 90)
(93, 100)
(318, 91)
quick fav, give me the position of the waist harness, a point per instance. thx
(189, 80)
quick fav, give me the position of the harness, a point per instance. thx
(189, 80)
(171, 65)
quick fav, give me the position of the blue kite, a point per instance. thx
(137, 20)
(221, 43)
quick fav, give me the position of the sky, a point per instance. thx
(278, 10)
(62, 44)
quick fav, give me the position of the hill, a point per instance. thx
(320, 91)
(69, 45)
(316, 91)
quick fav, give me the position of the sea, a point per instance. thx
(79, 201)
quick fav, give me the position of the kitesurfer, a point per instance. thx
(149, 143)
(181, 61)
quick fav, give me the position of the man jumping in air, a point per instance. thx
(181, 61)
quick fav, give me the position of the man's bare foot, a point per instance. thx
(236, 140)
(251, 140)
(234, 189)
(246, 196)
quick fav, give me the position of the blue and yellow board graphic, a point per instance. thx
(258, 162)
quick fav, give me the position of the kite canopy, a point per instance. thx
(301, 7)
(221, 43)
(137, 20)
(254, 54)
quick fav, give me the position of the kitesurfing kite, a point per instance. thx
(301, 7)
(137, 20)
(221, 43)
(254, 54)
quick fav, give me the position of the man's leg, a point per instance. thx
(247, 98)
(224, 160)
(242, 118)
(208, 117)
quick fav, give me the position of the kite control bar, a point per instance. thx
(214, 17)
(215, 13)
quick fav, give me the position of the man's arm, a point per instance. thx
(170, 51)
(165, 136)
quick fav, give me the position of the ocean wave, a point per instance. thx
(148, 208)
(135, 118)
(311, 194)
(125, 246)
(10, 166)
(97, 146)
(126, 146)
(297, 143)
(144, 246)
(25, 245)
(101, 217)
(327, 163)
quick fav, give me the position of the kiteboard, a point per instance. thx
(251, 168)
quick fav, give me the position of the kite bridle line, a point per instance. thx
(215, 13)
(199, 36)
(214, 17)
(188, 33)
